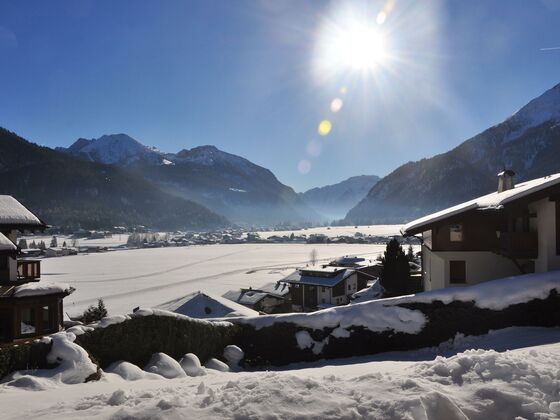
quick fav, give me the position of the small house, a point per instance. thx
(28, 307)
(269, 298)
(206, 305)
(514, 230)
(321, 287)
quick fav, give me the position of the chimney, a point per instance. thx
(505, 180)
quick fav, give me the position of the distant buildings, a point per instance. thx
(270, 298)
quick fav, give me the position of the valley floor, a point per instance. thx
(475, 384)
(148, 277)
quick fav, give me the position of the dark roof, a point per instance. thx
(323, 277)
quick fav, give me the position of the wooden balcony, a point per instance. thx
(519, 245)
(28, 270)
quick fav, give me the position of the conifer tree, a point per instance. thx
(395, 274)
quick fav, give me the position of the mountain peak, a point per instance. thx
(114, 149)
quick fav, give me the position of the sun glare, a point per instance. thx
(360, 47)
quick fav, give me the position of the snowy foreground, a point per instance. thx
(150, 277)
(475, 384)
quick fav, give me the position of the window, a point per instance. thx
(349, 286)
(456, 233)
(323, 300)
(28, 323)
(45, 318)
(457, 272)
(323, 290)
(427, 238)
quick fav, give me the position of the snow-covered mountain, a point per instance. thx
(334, 201)
(119, 149)
(527, 142)
(228, 184)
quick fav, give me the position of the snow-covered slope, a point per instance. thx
(334, 201)
(528, 142)
(118, 149)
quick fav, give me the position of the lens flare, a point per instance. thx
(381, 18)
(324, 128)
(304, 166)
(314, 148)
(336, 105)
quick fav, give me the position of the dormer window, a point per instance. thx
(456, 233)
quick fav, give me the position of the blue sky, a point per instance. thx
(251, 77)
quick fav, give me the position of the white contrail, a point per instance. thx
(550, 49)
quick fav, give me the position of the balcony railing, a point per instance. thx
(28, 270)
(519, 244)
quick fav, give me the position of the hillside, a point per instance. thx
(65, 191)
(527, 142)
(334, 201)
(230, 185)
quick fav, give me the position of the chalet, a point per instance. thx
(512, 231)
(27, 308)
(321, 287)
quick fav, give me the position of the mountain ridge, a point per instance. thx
(527, 142)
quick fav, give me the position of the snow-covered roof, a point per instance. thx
(205, 305)
(317, 277)
(495, 200)
(251, 297)
(12, 212)
(6, 246)
(41, 288)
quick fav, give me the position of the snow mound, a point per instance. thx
(130, 372)
(495, 294)
(30, 383)
(166, 366)
(216, 364)
(376, 316)
(233, 355)
(191, 365)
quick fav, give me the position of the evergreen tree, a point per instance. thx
(42, 245)
(33, 245)
(64, 244)
(395, 275)
(22, 243)
(410, 253)
(94, 313)
(54, 242)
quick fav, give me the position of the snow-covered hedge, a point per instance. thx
(137, 337)
(403, 323)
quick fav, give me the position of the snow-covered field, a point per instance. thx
(148, 277)
(489, 382)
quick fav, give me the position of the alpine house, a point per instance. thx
(515, 230)
(28, 307)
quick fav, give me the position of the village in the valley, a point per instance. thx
(280, 210)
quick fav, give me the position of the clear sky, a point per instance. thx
(255, 78)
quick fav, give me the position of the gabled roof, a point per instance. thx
(252, 297)
(318, 278)
(15, 214)
(7, 246)
(492, 201)
(205, 305)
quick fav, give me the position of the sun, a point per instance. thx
(359, 47)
